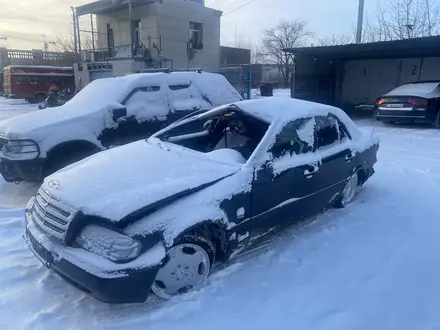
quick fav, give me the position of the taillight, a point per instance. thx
(418, 103)
(380, 101)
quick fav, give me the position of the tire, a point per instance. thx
(349, 192)
(186, 267)
(436, 123)
(39, 98)
(59, 161)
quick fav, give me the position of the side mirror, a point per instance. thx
(119, 113)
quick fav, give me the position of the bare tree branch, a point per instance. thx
(287, 34)
(335, 40)
(403, 19)
(66, 43)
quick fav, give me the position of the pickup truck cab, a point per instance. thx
(106, 113)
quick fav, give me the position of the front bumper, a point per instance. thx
(404, 116)
(22, 170)
(122, 286)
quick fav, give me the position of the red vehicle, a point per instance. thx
(32, 82)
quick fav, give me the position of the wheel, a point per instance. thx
(187, 266)
(436, 123)
(40, 98)
(350, 190)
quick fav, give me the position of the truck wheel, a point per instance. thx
(186, 267)
(436, 123)
(39, 98)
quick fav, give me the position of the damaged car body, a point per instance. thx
(106, 113)
(195, 193)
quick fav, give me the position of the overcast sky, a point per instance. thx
(35, 18)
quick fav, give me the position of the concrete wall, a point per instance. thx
(168, 24)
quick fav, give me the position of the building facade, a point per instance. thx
(178, 34)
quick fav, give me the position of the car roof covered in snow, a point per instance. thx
(273, 109)
(213, 86)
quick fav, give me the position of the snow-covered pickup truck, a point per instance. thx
(199, 191)
(107, 112)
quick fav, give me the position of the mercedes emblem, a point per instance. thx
(53, 184)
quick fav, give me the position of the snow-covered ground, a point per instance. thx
(370, 266)
(11, 108)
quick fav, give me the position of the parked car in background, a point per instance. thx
(106, 113)
(414, 102)
(199, 191)
(32, 82)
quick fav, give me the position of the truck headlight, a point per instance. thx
(109, 244)
(20, 149)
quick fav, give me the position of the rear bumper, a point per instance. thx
(123, 286)
(404, 116)
(22, 170)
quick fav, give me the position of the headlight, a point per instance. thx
(20, 149)
(109, 244)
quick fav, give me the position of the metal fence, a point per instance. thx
(239, 76)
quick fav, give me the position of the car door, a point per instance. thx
(145, 112)
(283, 189)
(333, 144)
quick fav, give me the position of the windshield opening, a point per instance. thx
(226, 134)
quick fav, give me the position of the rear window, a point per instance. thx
(421, 88)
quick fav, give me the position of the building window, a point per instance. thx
(196, 35)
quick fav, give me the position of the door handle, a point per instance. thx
(311, 170)
(349, 157)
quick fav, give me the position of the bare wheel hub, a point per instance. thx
(186, 267)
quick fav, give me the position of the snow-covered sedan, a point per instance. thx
(107, 112)
(414, 102)
(155, 215)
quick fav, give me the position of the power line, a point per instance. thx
(239, 7)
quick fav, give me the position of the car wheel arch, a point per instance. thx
(69, 145)
(79, 147)
(215, 231)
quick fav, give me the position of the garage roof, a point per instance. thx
(417, 47)
(108, 6)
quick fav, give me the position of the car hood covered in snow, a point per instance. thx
(120, 181)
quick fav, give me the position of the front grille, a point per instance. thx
(51, 215)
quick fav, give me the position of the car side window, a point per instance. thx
(295, 137)
(147, 102)
(329, 131)
(149, 89)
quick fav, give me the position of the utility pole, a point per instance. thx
(360, 22)
(93, 33)
(130, 17)
(75, 39)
